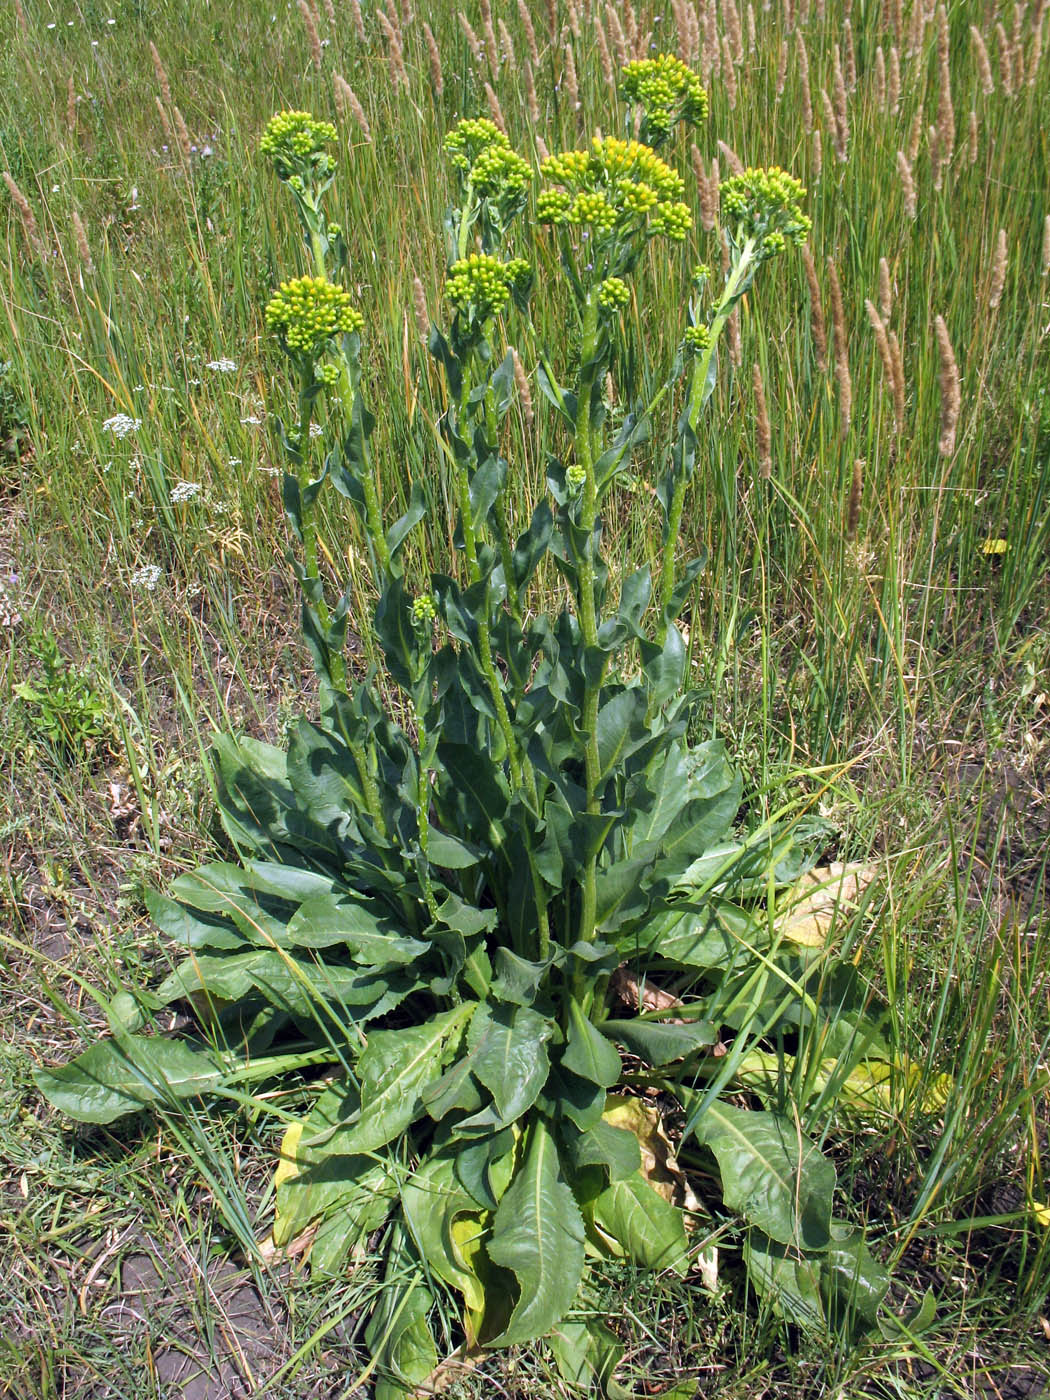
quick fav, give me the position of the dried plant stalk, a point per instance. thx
(945, 108)
(616, 34)
(983, 62)
(495, 110)
(310, 25)
(437, 77)
(880, 77)
(358, 21)
(803, 79)
(728, 73)
(885, 289)
(521, 381)
(882, 342)
(893, 82)
(160, 74)
(735, 164)
(473, 42)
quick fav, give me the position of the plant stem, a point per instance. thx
(588, 616)
(699, 393)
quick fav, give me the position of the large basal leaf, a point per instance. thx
(586, 1354)
(538, 1234)
(398, 1334)
(648, 1229)
(790, 1280)
(394, 1068)
(432, 1198)
(773, 1175)
(660, 1042)
(853, 1280)
(111, 1079)
(622, 727)
(603, 1145)
(509, 1045)
(362, 926)
(588, 1053)
(356, 1192)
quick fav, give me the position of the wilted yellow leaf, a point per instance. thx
(810, 908)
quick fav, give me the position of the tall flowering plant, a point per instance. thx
(452, 912)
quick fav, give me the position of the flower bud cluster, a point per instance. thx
(766, 205)
(575, 478)
(613, 294)
(697, 339)
(620, 186)
(667, 91)
(481, 152)
(482, 283)
(308, 313)
(424, 610)
(297, 143)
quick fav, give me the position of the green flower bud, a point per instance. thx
(697, 339)
(482, 284)
(766, 205)
(424, 611)
(613, 294)
(307, 315)
(667, 91)
(575, 478)
(296, 143)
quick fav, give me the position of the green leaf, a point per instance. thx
(854, 1282)
(112, 1079)
(588, 1053)
(776, 1178)
(456, 1089)
(586, 1354)
(186, 928)
(604, 1146)
(394, 1068)
(431, 1199)
(660, 1042)
(397, 1334)
(791, 1281)
(449, 852)
(363, 928)
(510, 1046)
(646, 1227)
(622, 727)
(359, 1191)
(483, 1167)
(537, 1233)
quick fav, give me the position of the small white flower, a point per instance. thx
(222, 366)
(184, 491)
(120, 425)
(147, 577)
(316, 430)
(251, 418)
(234, 462)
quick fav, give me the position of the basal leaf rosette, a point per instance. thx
(668, 91)
(765, 208)
(609, 201)
(297, 143)
(309, 316)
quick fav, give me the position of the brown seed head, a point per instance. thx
(907, 185)
(998, 278)
(817, 327)
(160, 74)
(347, 105)
(763, 434)
(951, 395)
(25, 214)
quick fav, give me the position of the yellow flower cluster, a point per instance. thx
(296, 141)
(484, 283)
(308, 313)
(766, 205)
(667, 91)
(621, 185)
